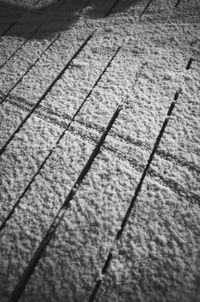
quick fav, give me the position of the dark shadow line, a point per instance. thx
(173, 186)
(56, 144)
(20, 47)
(103, 272)
(146, 7)
(138, 188)
(45, 94)
(111, 8)
(34, 13)
(177, 3)
(8, 29)
(95, 290)
(14, 23)
(189, 63)
(29, 68)
(16, 294)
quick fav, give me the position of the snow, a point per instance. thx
(157, 257)
(158, 253)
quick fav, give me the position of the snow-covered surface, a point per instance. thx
(120, 58)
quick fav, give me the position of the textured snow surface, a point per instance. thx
(65, 68)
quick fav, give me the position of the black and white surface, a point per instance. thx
(100, 150)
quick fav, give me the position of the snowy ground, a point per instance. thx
(100, 150)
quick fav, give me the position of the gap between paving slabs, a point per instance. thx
(110, 62)
(169, 113)
(14, 50)
(32, 65)
(62, 4)
(34, 261)
(6, 159)
(137, 75)
(14, 23)
(23, 44)
(132, 204)
(23, 15)
(29, 68)
(46, 58)
(26, 189)
(93, 126)
(54, 225)
(22, 284)
(113, 7)
(145, 8)
(44, 95)
(30, 37)
(156, 6)
(34, 108)
(34, 62)
(26, 170)
(57, 142)
(177, 3)
(81, 240)
(134, 199)
(65, 39)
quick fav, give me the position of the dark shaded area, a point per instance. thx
(24, 21)
(43, 20)
(57, 16)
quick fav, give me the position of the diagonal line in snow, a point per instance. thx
(103, 272)
(54, 118)
(172, 185)
(158, 139)
(29, 68)
(27, 39)
(20, 47)
(132, 203)
(8, 29)
(58, 218)
(60, 74)
(57, 142)
(111, 8)
(177, 3)
(146, 7)
(189, 63)
(138, 189)
(14, 23)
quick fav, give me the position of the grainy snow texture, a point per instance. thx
(121, 78)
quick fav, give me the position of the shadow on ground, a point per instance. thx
(56, 16)
(41, 20)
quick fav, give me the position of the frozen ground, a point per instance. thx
(100, 150)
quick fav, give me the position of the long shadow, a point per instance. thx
(59, 15)
(107, 8)
(42, 21)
